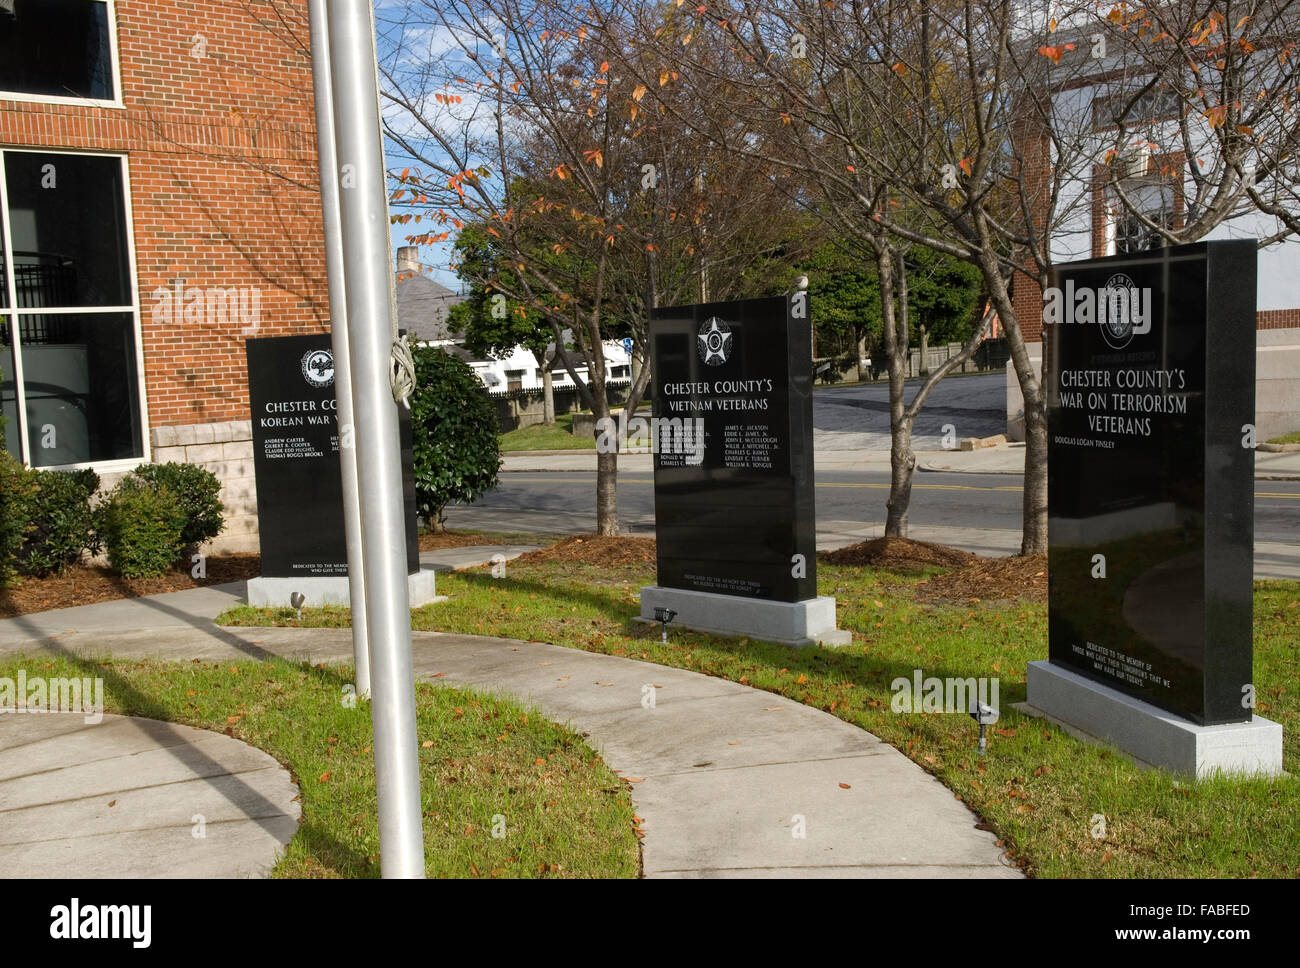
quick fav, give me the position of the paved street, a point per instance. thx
(858, 417)
(976, 511)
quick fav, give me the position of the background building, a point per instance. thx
(1160, 183)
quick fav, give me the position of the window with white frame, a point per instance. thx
(69, 321)
(1131, 227)
(57, 50)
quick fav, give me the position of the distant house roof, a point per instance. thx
(422, 308)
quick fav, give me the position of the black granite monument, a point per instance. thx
(296, 459)
(734, 509)
(1150, 385)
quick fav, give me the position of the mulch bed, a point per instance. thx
(605, 552)
(87, 584)
(969, 578)
(899, 553)
(990, 578)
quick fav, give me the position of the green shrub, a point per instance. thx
(455, 431)
(141, 527)
(17, 490)
(198, 492)
(62, 522)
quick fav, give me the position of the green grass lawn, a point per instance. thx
(1038, 788)
(1291, 438)
(538, 437)
(487, 765)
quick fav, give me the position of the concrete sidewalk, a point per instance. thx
(728, 777)
(131, 797)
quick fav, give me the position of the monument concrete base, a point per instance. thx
(810, 622)
(1149, 734)
(321, 590)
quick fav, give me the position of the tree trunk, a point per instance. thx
(1034, 540)
(1034, 509)
(862, 352)
(438, 525)
(607, 494)
(923, 367)
(544, 361)
(901, 459)
(548, 396)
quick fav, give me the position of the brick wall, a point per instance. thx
(222, 163)
(1278, 319)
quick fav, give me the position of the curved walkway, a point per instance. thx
(730, 781)
(130, 797)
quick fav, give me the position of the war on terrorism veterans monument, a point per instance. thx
(735, 521)
(1150, 399)
(296, 440)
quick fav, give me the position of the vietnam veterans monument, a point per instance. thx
(296, 462)
(735, 522)
(1150, 395)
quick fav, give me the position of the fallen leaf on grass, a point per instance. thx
(426, 744)
(324, 778)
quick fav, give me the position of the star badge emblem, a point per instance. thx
(714, 341)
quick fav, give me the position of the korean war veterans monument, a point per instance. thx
(1150, 381)
(296, 440)
(733, 467)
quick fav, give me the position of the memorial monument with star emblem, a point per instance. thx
(735, 517)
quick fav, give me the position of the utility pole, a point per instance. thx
(363, 207)
(329, 195)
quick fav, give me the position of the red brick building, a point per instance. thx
(159, 204)
(1095, 224)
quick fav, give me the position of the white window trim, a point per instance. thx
(114, 102)
(117, 464)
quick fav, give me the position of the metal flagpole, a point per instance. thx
(364, 210)
(329, 193)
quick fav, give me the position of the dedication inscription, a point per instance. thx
(732, 433)
(1150, 385)
(296, 459)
